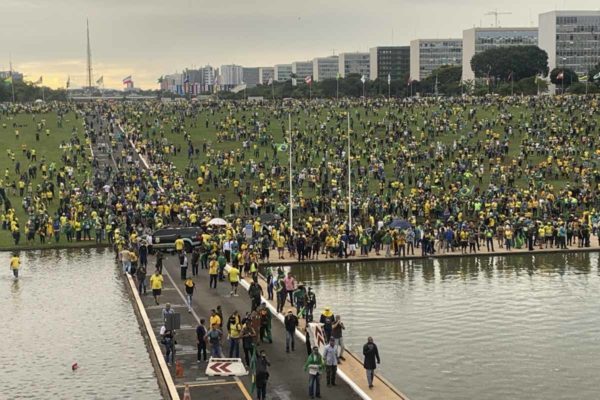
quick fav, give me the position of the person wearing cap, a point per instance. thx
(314, 366)
(291, 323)
(331, 361)
(327, 319)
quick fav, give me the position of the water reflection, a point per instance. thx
(70, 306)
(521, 327)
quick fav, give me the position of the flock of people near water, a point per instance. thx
(444, 175)
(439, 175)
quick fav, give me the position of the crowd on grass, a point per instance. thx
(436, 175)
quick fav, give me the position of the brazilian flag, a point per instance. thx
(282, 146)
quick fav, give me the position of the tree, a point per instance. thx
(510, 63)
(448, 81)
(593, 72)
(568, 76)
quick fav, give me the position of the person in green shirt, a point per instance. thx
(314, 366)
(222, 262)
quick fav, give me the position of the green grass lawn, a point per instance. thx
(201, 134)
(47, 150)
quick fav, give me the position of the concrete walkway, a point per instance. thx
(287, 380)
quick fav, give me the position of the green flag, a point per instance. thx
(282, 146)
(253, 369)
(9, 79)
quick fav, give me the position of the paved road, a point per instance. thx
(288, 381)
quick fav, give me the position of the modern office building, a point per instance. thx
(325, 68)
(389, 60)
(477, 40)
(354, 63)
(200, 80)
(251, 76)
(265, 74)
(427, 55)
(283, 72)
(301, 69)
(172, 83)
(571, 39)
(231, 76)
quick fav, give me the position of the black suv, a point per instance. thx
(164, 238)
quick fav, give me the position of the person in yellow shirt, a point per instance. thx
(156, 282)
(213, 271)
(179, 244)
(234, 280)
(15, 264)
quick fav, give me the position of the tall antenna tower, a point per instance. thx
(89, 55)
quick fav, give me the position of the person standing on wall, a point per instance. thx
(371, 360)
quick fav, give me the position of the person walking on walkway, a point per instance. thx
(314, 367)
(214, 336)
(140, 275)
(213, 271)
(201, 340)
(166, 311)
(371, 360)
(337, 335)
(234, 280)
(262, 375)
(183, 264)
(234, 329)
(311, 303)
(248, 334)
(255, 292)
(291, 323)
(15, 264)
(331, 362)
(156, 283)
(290, 286)
(189, 292)
(169, 342)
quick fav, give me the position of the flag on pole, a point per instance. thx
(409, 81)
(100, 80)
(583, 78)
(389, 79)
(510, 76)
(186, 79)
(160, 80)
(308, 79)
(363, 79)
(337, 76)
(596, 77)
(127, 80)
(68, 81)
(239, 88)
(560, 75)
(270, 82)
(39, 81)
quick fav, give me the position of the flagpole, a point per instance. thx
(290, 174)
(337, 87)
(273, 90)
(349, 179)
(12, 81)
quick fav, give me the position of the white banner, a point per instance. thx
(317, 336)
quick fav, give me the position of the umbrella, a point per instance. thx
(399, 224)
(270, 217)
(217, 221)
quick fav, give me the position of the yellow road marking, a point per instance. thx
(243, 388)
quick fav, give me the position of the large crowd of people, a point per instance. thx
(439, 175)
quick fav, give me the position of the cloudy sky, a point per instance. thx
(148, 38)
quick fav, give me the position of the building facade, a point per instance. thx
(265, 74)
(250, 76)
(389, 60)
(200, 80)
(477, 40)
(301, 69)
(230, 76)
(325, 68)
(354, 63)
(427, 55)
(571, 39)
(283, 72)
